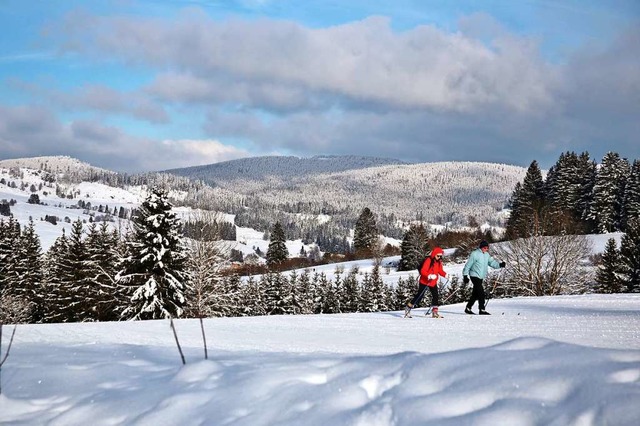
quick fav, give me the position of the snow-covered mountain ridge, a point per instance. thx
(338, 189)
(435, 192)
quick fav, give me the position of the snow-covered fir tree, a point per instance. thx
(332, 292)
(297, 296)
(69, 296)
(587, 170)
(277, 251)
(404, 291)
(529, 218)
(52, 278)
(630, 256)
(563, 188)
(365, 234)
(303, 290)
(317, 286)
(278, 298)
(413, 247)
(608, 193)
(20, 280)
(374, 297)
(29, 268)
(632, 195)
(607, 274)
(154, 272)
(352, 298)
(252, 300)
(515, 217)
(9, 240)
(104, 253)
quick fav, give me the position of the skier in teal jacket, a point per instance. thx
(476, 268)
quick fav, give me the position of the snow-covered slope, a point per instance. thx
(54, 164)
(568, 360)
(442, 192)
(66, 210)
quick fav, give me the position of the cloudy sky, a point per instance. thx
(137, 85)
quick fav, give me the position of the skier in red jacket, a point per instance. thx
(430, 272)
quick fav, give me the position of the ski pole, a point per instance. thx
(445, 300)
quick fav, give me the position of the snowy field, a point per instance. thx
(567, 360)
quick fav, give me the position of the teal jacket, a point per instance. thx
(478, 264)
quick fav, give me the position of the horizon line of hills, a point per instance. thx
(288, 189)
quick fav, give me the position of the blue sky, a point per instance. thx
(149, 85)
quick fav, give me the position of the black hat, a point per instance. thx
(484, 243)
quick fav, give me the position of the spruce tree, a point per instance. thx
(630, 256)
(303, 287)
(632, 195)
(404, 291)
(29, 272)
(351, 295)
(277, 251)
(103, 256)
(373, 292)
(9, 240)
(319, 284)
(297, 297)
(365, 233)
(607, 277)
(531, 200)
(563, 193)
(251, 300)
(587, 172)
(528, 206)
(278, 298)
(54, 301)
(515, 217)
(608, 193)
(413, 246)
(71, 300)
(154, 273)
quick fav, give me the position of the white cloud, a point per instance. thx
(363, 61)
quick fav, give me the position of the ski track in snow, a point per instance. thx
(551, 360)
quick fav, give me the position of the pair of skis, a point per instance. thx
(407, 314)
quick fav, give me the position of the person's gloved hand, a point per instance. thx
(432, 276)
(503, 264)
(465, 279)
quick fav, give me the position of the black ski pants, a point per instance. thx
(476, 294)
(421, 291)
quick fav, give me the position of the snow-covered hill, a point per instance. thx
(565, 360)
(58, 165)
(438, 192)
(280, 167)
(20, 184)
(343, 185)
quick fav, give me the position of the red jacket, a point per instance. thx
(432, 269)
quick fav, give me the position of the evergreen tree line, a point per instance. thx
(150, 273)
(577, 197)
(620, 268)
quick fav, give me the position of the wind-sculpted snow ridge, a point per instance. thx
(526, 381)
(524, 365)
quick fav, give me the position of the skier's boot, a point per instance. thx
(468, 311)
(435, 314)
(483, 312)
(407, 312)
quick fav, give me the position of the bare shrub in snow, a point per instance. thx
(545, 265)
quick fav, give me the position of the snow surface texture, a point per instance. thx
(566, 360)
